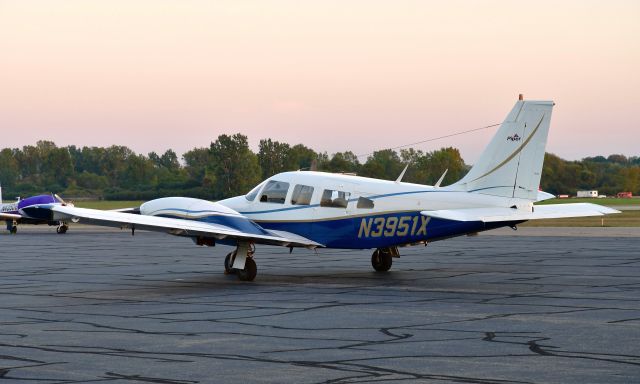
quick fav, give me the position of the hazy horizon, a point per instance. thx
(335, 76)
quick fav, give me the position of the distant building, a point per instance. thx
(587, 193)
(624, 195)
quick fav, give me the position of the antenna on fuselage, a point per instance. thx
(437, 185)
(399, 179)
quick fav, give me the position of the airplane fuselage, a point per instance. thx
(366, 213)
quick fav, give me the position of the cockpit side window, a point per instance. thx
(301, 195)
(254, 192)
(274, 192)
(334, 199)
(363, 202)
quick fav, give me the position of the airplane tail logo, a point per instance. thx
(505, 171)
(515, 137)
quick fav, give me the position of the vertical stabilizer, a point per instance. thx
(511, 164)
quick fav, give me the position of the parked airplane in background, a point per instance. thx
(16, 213)
(316, 209)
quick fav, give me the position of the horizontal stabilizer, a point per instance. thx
(542, 195)
(497, 214)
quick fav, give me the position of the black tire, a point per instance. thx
(249, 272)
(13, 230)
(381, 260)
(61, 230)
(228, 262)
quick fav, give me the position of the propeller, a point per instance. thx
(61, 200)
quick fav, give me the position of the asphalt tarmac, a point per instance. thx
(102, 306)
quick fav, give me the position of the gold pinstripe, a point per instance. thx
(514, 153)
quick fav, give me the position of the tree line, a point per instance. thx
(228, 167)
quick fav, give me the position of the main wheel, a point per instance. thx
(228, 262)
(381, 260)
(249, 272)
(13, 230)
(62, 229)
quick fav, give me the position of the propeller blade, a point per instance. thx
(60, 199)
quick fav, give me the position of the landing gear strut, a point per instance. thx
(235, 265)
(381, 259)
(62, 229)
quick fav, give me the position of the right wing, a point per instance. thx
(175, 226)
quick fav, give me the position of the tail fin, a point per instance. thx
(511, 164)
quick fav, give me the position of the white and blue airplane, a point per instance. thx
(317, 209)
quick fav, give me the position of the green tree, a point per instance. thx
(9, 168)
(344, 162)
(385, 164)
(443, 159)
(301, 157)
(197, 161)
(273, 157)
(237, 169)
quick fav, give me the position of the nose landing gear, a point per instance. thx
(62, 229)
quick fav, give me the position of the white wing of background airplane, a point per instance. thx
(496, 214)
(9, 216)
(175, 226)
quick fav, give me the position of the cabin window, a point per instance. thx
(363, 202)
(335, 199)
(301, 195)
(254, 192)
(274, 192)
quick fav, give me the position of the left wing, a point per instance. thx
(496, 214)
(175, 226)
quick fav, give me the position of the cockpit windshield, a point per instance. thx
(254, 192)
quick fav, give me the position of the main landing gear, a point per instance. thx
(12, 227)
(62, 229)
(382, 258)
(240, 262)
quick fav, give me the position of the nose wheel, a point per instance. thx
(62, 229)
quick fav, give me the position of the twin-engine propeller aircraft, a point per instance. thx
(31, 211)
(316, 209)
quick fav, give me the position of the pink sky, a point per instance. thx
(334, 75)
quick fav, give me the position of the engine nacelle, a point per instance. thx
(201, 210)
(184, 207)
